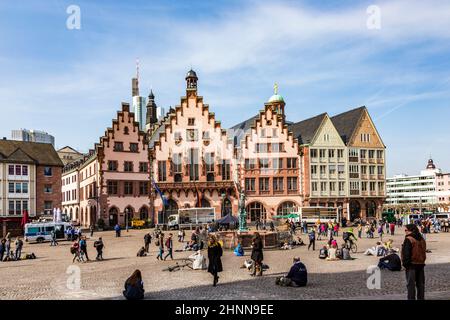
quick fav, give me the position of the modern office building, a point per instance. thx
(415, 191)
(32, 136)
(138, 104)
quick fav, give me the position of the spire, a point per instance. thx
(135, 82)
(191, 81)
(151, 117)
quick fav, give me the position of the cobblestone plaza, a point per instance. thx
(48, 275)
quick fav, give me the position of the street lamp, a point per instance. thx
(127, 210)
(223, 203)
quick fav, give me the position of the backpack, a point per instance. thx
(345, 236)
(73, 250)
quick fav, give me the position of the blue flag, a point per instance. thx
(163, 198)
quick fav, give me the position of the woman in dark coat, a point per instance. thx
(257, 254)
(134, 287)
(214, 254)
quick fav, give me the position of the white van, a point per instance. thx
(441, 216)
(410, 218)
(42, 231)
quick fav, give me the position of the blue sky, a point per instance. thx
(70, 83)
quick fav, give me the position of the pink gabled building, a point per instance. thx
(192, 158)
(112, 181)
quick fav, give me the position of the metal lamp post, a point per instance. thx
(126, 218)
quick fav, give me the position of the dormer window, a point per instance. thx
(191, 122)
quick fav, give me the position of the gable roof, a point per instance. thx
(68, 149)
(29, 152)
(305, 130)
(346, 123)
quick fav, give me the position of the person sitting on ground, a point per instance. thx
(323, 253)
(141, 252)
(346, 253)
(239, 251)
(286, 246)
(332, 254)
(374, 250)
(297, 276)
(134, 286)
(298, 242)
(391, 262)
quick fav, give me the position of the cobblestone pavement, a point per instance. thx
(48, 277)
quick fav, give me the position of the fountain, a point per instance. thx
(231, 238)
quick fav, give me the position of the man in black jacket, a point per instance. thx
(413, 259)
(297, 276)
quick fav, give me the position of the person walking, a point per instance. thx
(360, 230)
(214, 257)
(169, 246)
(312, 238)
(8, 246)
(75, 250)
(147, 241)
(53, 234)
(117, 229)
(161, 246)
(392, 228)
(99, 245)
(83, 247)
(19, 246)
(91, 228)
(2, 249)
(413, 259)
(134, 287)
(257, 254)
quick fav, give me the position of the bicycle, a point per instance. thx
(353, 247)
(186, 263)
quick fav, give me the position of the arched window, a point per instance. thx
(113, 216)
(178, 178)
(205, 203)
(210, 177)
(227, 207)
(256, 211)
(371, 209)
(125, 130)
(287, 208)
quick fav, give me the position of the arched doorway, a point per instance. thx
(371, 209)
(81, 215)
(227, 207)
(205, 203)
(143, 213)
(70, 213)
(286, 208)
(113, 216)
(129, 213)
(355, 210)
(256, 211)
(93, 214)
(76, 214)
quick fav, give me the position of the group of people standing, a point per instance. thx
(79, 249)
(6, 252)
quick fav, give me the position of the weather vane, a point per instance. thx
(275, 88)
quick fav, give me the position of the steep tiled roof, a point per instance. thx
(305, 130)
(29, 152)
(346, 123)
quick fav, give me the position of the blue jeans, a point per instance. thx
(18, 253)
(161, 251)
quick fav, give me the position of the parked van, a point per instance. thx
(411, 218)
(42, 231)
(441, 216)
